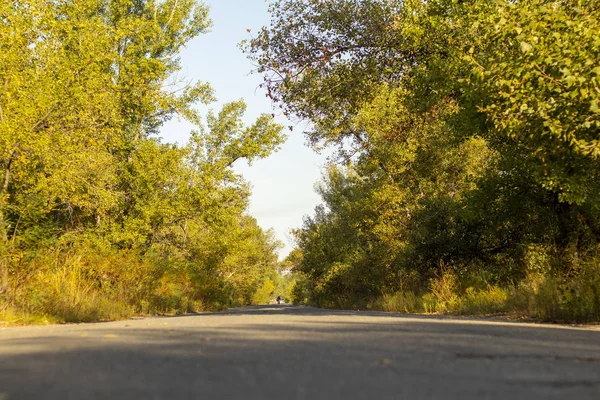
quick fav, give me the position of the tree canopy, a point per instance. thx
(468, 132)
(86, 87)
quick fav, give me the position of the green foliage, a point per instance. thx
(535, 68)
(442, 297)
(468, 132)
(98, 218)
(264, 293)
(572, 298)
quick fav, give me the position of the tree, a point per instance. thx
(87, 85)
(470, 137)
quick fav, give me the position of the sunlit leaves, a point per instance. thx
(468, 128)
(536, 69)
(85, 86)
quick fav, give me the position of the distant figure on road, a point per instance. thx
(278, 299)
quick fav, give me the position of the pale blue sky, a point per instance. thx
(282, 185)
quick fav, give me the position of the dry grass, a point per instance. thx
(574, 297)
(89, 284)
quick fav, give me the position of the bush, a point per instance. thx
(574, 297)
(86, 281)
(568, 297)
(443, 295)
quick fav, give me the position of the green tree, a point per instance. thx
(86, 86)
(469, 128)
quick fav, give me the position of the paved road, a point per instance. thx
(284, 352)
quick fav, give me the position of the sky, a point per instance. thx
(283, 184)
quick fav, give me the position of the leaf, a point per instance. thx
(525, 47)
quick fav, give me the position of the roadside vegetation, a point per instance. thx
(468, 173)
(467, 176)
(99, 218)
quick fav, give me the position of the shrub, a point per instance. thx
(443, 295)
(572, 297)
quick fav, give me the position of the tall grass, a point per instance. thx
(567, 297)
(404, 302)
(91, 283)
(72, 296)
(573, 298)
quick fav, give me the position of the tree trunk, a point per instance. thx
(3, 255)
(3, 232)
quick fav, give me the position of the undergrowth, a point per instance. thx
(567, 297)
(95, 284)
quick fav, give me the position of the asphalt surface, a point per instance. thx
(285, 352)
